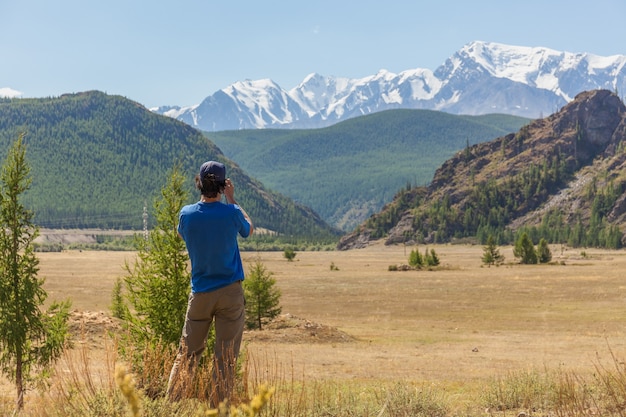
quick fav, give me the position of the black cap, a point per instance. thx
(212, 167)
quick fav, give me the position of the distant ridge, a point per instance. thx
(480, 78)
(96, 161)
(348, 171)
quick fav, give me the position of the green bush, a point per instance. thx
(289, 254)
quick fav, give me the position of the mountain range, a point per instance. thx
(480, 78)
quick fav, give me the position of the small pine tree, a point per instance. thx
(525, 250)
(118, 306)
(157, 284)
(491, 254)
(262, 296)
(29, 337)
(415, 259)
(431, 258)
(543, 252)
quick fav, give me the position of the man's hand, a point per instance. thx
(229, 192)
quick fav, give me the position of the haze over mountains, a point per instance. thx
(480, 78)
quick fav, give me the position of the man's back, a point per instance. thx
(210, 232)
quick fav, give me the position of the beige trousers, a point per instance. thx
(226, 308)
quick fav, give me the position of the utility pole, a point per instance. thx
(145, 220)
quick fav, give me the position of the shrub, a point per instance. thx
(289, 254)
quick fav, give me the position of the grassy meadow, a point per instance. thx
(356, 339)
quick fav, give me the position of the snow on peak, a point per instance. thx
(320, 99)
(313, 77)
(9, 92)
(257, 85)
(507, 61)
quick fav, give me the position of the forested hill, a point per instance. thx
(561, 178)
(350, 170)
(97, 159)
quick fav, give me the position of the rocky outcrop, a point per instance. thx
(358, 240)
(587, 136)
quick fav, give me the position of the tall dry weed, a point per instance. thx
(611, 383)
(81, 385)
(86, 386)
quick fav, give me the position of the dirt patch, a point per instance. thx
(73, 236)
(91, 326)
(291, 329)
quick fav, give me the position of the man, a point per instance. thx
(209, 229)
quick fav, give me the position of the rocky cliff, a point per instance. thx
(562, 166)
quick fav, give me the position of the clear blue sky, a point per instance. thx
(178, 52)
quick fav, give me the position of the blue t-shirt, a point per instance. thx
(210, 233)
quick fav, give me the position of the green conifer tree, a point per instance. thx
(415, 259)
(157, 284)
(432, 259)
(118, 306)
(491, 253)
(525, 250)
(262, 296)
(544, 255)
(30, 339)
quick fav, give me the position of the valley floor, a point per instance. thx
(347, 317)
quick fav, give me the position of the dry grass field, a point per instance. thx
(456, 326)
(348, 321)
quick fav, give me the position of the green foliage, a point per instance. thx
(118, 306)
(262, 296)
(597, 233)
(544, 255)
(380, 223)
(492, 205)
(432, 259)
(310, 165)
(417, 260)
(491, 253)
(98, 159)
(525, 250)
(30, 339)
(157, 284)
(289, 254)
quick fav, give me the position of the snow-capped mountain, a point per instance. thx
(481, 78)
